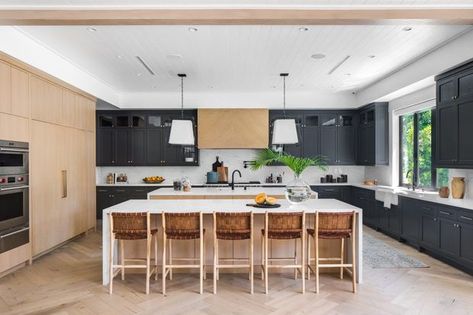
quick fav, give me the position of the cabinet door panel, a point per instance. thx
(46, 100)
(172, 154)
(328, 144)
(138, 148)
(449, 237)
(465, 85)
(430, 231)
(5, 88)
(311, 144)
(447, 137)
(20, 93)
(395, 220)
(466, 243)
(465, 133)
(122, 146)
(154, 146)
(106, 147)
(346, 145)
(447, 90)
(410, 219)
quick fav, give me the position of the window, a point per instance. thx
(416, 152)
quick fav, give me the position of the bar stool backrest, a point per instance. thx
(124, 222)
(233, 222)
(333, 222)
(182, 222)
(285, 222)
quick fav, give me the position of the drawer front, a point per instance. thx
(428, 208)
(465, 217)
(447, 212)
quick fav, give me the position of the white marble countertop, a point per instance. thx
(217, 191)
(228, 205)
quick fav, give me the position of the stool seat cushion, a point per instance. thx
(283, 234)
(330, 234)
(186, 234)
(133, 234)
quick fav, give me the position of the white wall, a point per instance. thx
(234, 160)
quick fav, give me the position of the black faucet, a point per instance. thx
(232, 184)
(413, 185)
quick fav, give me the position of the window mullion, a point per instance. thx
(415, 172)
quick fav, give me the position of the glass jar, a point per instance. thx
(297, 191)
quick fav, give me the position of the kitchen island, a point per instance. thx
(226, 200)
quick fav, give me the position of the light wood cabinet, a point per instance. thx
(20, 93)
(237, 128)
(45, 99)
(14, 128)
(5, 88)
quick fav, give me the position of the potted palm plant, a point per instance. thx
(297, 190)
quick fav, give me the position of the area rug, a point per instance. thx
(379, 255)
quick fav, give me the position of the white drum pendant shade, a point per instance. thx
(182, 132)
(285, 131)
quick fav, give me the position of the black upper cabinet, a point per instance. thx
(373, 136)
(134, 138)
(453, 128)
(311, 135)
(328, 137)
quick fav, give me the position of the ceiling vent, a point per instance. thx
(145, 65)
(338, 65)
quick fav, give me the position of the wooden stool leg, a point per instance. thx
(170, 259)
(266, 232)
(251, 264)
(156, 256)
(303, 253)
(316, 249)
(308, 257)
(201, 255)
(148, 262)
(295, 258)
(122, 257)
(353, 254)
(262, 257)
(342, 255)
(110, 261)
(164, 264)
(215, 252)
(203, 261)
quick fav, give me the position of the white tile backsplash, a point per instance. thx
(234, 160)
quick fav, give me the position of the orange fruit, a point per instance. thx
(260, 198)
(271, 200)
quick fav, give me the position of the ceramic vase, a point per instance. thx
(458, 187)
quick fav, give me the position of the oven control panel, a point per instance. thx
(13, 180)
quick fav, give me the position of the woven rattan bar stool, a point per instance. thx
(132, 226)
(233, 226)
(332, 225)
(283, 226)
(182, 226)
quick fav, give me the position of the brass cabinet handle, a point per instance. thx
(64, 183)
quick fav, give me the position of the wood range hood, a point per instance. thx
(245, 128)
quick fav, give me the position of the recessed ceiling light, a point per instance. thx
(407, 28)
(119, 56)
(192, 29)
(317, 56)
(139, 74)
(91, 29)
(348, 74)
(174, 56)
(303, 29)
(371, 56)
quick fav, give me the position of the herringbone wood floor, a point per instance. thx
(68, 281)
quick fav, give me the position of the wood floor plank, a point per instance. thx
(68, 281)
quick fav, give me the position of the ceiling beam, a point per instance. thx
(260, 16)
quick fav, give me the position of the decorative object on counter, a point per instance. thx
(269, 179)
(177, 185)
(182, 130)
(153, 180)
(329, 178)
(222, 172)
(122, 178)
(370, 182)
(297, 190)
(264, 201)
(284, 130)
(323, 180)
(212, 178)
(344, 178)
(111, 178)
(458, 187)
(444, 192)
(216, 164)
(186, 184)
(279, 179)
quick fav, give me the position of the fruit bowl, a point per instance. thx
(153, 180)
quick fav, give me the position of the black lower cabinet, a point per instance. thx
(388, 219)
(108, 196)
(342, 193)
(410, 220)
(449, 238)
(430, 231)
(365, 199)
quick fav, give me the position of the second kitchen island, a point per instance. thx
(209, 200)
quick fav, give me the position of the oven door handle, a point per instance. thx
(14, 150)
(15, 232)
(14, 188)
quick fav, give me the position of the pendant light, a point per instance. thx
(284, 130)
(182, 130)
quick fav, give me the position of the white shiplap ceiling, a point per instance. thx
(241, 58)
(39, 3)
